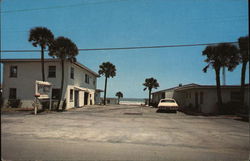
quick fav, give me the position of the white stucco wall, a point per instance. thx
(169, 94)
(79, 81)
(156, 97)
(98, 98)
(79, 77)
(209, 98)
(187, 96)
(29, 72)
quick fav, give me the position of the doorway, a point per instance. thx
(86, 98)
(76, 98)
(196, 100)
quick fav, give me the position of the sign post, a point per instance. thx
(43, 90)
(50, 99)
(36, 103)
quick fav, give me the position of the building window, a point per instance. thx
(13, 71)
(235, 96)
(55, 93)
(94, 82)
(52, 72)
(86, 78)
(72, 73)
(71, 95)
(201, 97)
(12, 94)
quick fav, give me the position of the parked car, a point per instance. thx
(167, 105)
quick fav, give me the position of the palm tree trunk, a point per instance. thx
(105, 90)
(219, 98)
(62, 83)
(242, 88)
(42, 62)
(118, 100)
(149, 97)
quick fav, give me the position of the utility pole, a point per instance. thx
(0, 41)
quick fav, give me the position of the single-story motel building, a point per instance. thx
(201, 97)
(20, 75)
(109, 100)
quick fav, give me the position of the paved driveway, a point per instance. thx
(122, 133)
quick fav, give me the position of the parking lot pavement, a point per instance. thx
(121, 132)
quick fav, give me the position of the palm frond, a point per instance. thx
(205, 68)
(150, 83)
(244, 48)
(107, 69)
(41, 36)
(63, 48)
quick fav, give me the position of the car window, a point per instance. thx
(168, 101)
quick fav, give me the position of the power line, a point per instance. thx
(127, 48)
(61, 6)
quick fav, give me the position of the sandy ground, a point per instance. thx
(121, 132)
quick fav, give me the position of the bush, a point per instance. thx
(14, 103)
(230, 108)
(45, 104)
(153, 104)
(190, 106)
(244, 109)
(1, 102)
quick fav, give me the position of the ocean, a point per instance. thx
(132, 101)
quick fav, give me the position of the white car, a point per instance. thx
(167, 104)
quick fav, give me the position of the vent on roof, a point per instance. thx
(180, 85)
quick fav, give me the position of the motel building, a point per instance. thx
(20, 75)
(201, 97)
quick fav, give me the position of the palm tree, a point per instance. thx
(149, 84)
(244, 59)
(219, 56)
(43, 37)
(119, 95)
(108, 70)
(63, 48)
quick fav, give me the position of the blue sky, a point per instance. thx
(123, 23)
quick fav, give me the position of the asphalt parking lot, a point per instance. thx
(121, 132)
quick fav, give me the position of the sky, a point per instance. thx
(126, 23)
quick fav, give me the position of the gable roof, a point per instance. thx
(49, 60)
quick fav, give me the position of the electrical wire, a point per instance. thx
(62, 6)
(128, 48)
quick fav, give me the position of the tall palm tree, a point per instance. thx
(149, 84)
(63, 48)
(244, 59)
(219, 56)
(108, 70)
(43, 37)
(119, 95)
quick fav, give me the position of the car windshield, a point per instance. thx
(168, 101)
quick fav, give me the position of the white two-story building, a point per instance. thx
(19, 76)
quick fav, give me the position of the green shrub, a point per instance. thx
(1, 102)
(230, 108)
(45, 104)
(14, 103)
